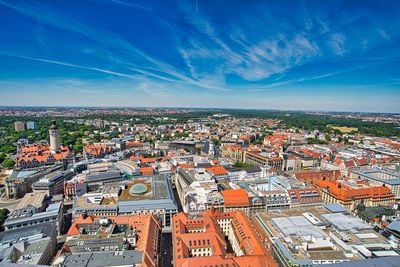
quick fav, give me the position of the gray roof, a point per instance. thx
(132, 205)
(369, 175)
(97, 259)
(183, 142)
(21, 265)
(345, 222)
(46, 229)
(29, 214)
(59, 174)
(162, 198)
(378, 211)
(103, 176)
(335, 208)
(247, 169)
(376, 262)
(30, 173)
(394, 226)
(204, 165)
(187, 176)
(297, 226)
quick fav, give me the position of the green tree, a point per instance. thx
(243, 165)
(8, 163)
(3, 216)
(2, 157)
(315, 141)
(78, 147)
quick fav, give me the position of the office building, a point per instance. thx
(19, 126)
(31, 125)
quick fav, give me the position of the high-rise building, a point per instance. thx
(19, 126)
(54, 137)
(31, 125)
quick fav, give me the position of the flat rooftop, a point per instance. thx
(130, 193)
(96, 259)
(315, 233)
(34, 199)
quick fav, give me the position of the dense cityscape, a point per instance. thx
(188, 187)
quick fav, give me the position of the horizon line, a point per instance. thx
(199, 108)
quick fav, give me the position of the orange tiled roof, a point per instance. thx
(134, 157)
(236, 198)
(305, 195)
(148, 160)
(40, 153)
(344, 192)
(203, 232)
(185, 166)
(97, 149)
(146, 170)
(315, 175)
(217, 170)
(134, 144)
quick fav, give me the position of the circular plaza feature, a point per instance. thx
(138, 189)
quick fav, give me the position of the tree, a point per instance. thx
(78, 147)
(257, 142)
(8, 149)
(243, 165)
(2, 157)
(346, 140)
(3, 216)
(8, 163)
(328, 138)
(315, 141)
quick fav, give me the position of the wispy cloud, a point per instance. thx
(69, 65)
(337, 43)
(132, 53)
(383, 34)
(129, 4)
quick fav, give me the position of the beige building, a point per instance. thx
(20, 126)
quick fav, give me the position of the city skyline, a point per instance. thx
(303, 55)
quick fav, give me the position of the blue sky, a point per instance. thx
(300, 55)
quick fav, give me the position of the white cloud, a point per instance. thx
(336, 43)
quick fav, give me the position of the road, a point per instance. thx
(9, 204)
(166, 253)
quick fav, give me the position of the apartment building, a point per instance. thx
(202, 241)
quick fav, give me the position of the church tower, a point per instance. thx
(54, 137)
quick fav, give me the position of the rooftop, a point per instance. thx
(110, 258)
(312, 234)
(236, 197)
(34, 199)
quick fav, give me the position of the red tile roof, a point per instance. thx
(203, 232)
(344, 192)
(217, 170)
(236, 198)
